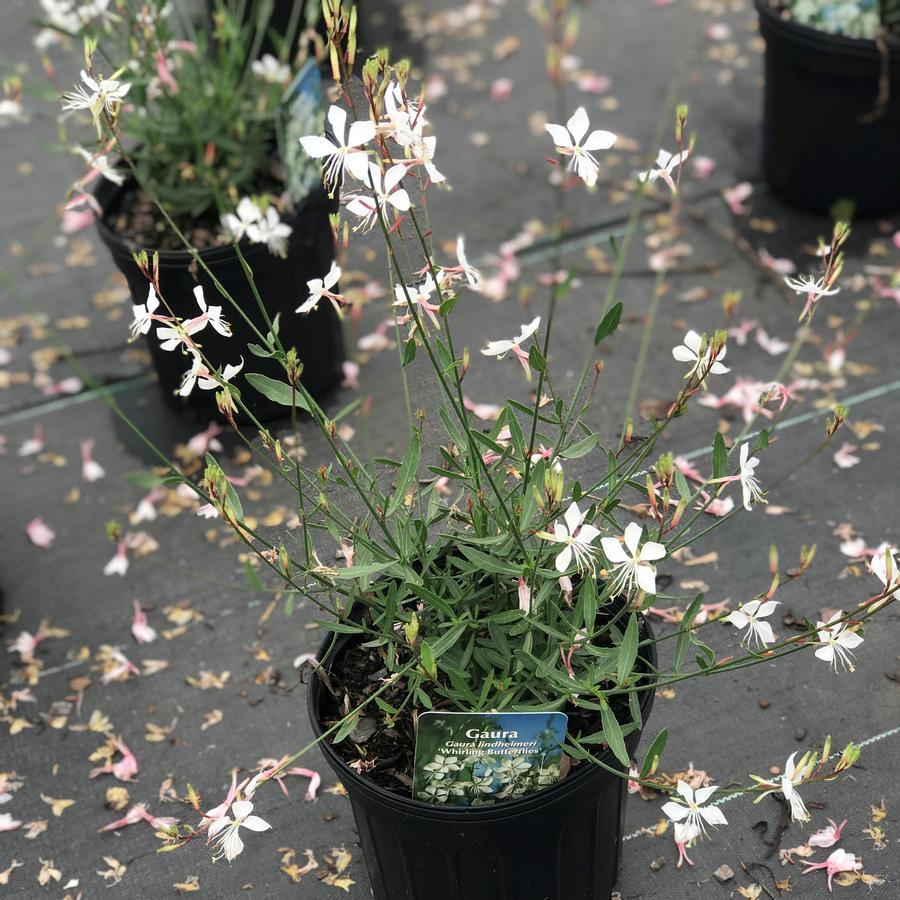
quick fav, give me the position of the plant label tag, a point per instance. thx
(475, 759)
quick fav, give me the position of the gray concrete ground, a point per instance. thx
(194, 584)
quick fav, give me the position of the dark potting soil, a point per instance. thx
(386, 754)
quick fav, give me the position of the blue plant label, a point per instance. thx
(476, 759)
(301, 113)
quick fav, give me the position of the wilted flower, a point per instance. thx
(839, 861)
(828, 836)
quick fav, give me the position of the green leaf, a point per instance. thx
(408, 470)
(684, 490)
(252, 577)
(426, 655)
(536, 359)
(613, 734)
(409, 352)
(348, 725)
(628, 650)
(351, 572)
(261, 352)
(651, 758)
(762, 439)
(277, 391)
(342, 627)
(719, 457)
(682, 642)
(609, 323)
(582, 447)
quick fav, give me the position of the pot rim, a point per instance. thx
(108, 193)
(508, 809)
(823, 41)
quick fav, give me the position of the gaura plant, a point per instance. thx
(478, 571)
(196, 111)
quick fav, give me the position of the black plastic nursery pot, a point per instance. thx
(281, 283)
(561, 843)
(826, 136)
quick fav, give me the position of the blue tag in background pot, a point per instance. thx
(301, 113)
(476, 759)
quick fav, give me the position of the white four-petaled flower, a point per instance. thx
(270, 70)
(143, 314)
(750, 616)
(577, 538)
(814, 289)
(270, 230)
(568, 139)
(666, 163)
(691, 811)
(752, 492)
(97, 95)
(632, 563)
(321, 287)
(343, 150)
(236, 224)
(514, 346)
(836, 642)
(385, 191)
(690, 352)
(226, 830)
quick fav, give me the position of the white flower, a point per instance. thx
(752, 492)
(666, 163)
(269, 69)
(385, 192)
(473, 276)
(229, 843)
(885, 567)
(211, 314)
(631, 562)
(174, 336)
(200, 375)
(320, 287)
(418, 295)
(426, 158)
(143, 314)
(96, 95)
(577, 538)
(836, 642)
(270, 230)
(342, 151)
(814, 288)
(103, 166)
(791, 777)
(406, 120)
(568, 140)
(749, 616)
(236, 224)
(689, 352)
(691, 811)
(514, 345)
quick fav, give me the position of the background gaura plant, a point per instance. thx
(194, 112)
(498, 570)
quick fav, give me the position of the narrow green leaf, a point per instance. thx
(276, 391)
(652, 757)
(609, 323)
(682, 642)
(628, 650)
(426, 654)
(409, 468)
(582, 447)
(252, 577)
(342, 627)
(348, 725)
(684, 490)
(536, 359)
(409, 352)
(613, 734)
(720, 457)
(351, 572)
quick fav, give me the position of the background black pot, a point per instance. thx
(822, 137)
(562, 843)
(282, 285)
